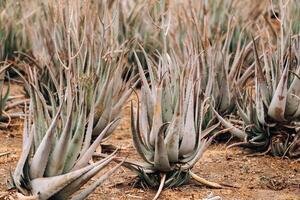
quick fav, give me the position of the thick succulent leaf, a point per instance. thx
(99, 105)
(198, 154)
(277, 106)
(150, 68)
(96, 184)
(58, 156)
(75, 185)
(260, 79)
(259, 104)
(172, 139)
(85, 158)
(167, 110)
(122, 100)
(89, 130)
(161, 160)
(235, 69)
(26, 147)
(157, 118)
(201, 146)
(40, 124)
(224, 93)
(40, 158)
(233, 130)
(142, 74)
(207, 131)
(246, 75)
(75, 144)
(138, 143)
(144, 120)
(104, 119)
(243, 114)
(189, 137)
(47, 187)
(293, 103)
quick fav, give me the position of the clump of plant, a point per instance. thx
(57, 148)
(271, 111)
(167, 128)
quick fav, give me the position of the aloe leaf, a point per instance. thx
(76, 143)
(58, 156)
(189, 137)
(97, 183)
(243, 114)
(167, 110)
(142, 74)
(161, 160)
(40, 125)
(224, 93)
(104, 119)
(85, 158)
(172, 139)
(203, 145)
(207, 131)
(27, 143)
(40, 158)
(75, 185)
(293, 103)
(277, 106)
(47, 187)
(259, 104)
(237, 63)
(137, 140)
(232, 129)
(89, 130)
(118, 106)
(157, 120)
(144, 125)
(260, 79)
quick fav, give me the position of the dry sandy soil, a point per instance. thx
(255, 177)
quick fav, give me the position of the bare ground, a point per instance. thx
(255, 177)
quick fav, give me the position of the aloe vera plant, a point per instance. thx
(167, 128)
(57, 148)
(271, 114)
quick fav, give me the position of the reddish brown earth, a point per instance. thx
(257, 178)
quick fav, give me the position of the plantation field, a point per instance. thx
(150, 99)
(255, 177)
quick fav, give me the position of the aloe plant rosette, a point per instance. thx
(167, 128)
(57, 148)
(271, 114)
